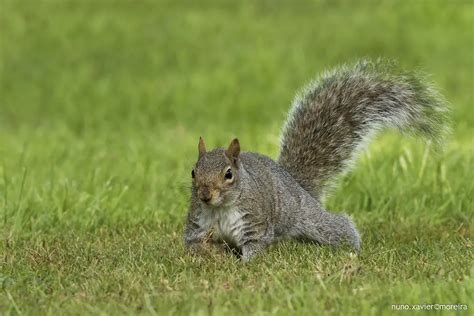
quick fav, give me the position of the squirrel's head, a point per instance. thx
(216, 174)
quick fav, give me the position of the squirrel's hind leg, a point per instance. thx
(327, 228)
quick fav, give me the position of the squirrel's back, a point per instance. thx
(338, 113)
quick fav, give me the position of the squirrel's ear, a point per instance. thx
(201, 147)
(233, 151)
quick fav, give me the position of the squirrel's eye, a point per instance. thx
(192, 173)
(228, 174)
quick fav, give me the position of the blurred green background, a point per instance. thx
(101, 107)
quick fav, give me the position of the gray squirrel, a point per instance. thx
(249, 201)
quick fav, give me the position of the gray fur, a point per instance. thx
(272, 206)
(335, 116)
(266, 201)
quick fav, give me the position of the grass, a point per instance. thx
(101, 107)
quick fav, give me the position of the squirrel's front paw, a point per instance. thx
(251, 250)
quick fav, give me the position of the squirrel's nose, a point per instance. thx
(205, 195)
(205, 199)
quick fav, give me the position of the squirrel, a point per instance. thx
(249, 201)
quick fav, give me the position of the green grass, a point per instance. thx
(101, 108)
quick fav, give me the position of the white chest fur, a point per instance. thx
(227, 222)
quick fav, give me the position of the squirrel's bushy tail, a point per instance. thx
(338, 113)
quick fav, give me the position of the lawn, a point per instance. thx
(101, 107)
